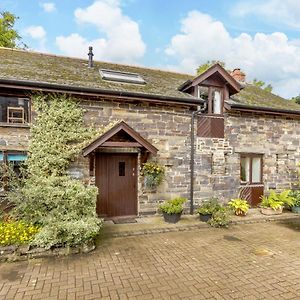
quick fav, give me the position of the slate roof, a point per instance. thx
(46, 68)
(25, 65)
(254, 96)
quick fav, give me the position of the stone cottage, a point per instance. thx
(216, 135)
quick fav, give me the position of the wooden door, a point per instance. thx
(116, 178)
(252, 178)
(252, 193)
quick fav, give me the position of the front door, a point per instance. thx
(116, 179)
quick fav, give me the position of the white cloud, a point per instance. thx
(270, 57)
(285, 12)
(48, 6)
(37, 33)
(120, 39)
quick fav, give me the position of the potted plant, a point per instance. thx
(296, 201)
(172, 209)
(153, 174)
(274, 203)
(220, 217)
(239, 206)
(207, 208)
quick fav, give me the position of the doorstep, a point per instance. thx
(156, 223)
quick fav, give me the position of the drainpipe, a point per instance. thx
(194, 114)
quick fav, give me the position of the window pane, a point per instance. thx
(256, 169)
(217, 102)
(203, 92)
(16, 157)
(245, 169)
(122, 168)
(14, 110)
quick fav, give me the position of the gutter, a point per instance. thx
(53, 87)
(262, 109)
(192, 162)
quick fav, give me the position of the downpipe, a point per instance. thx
(192, 161)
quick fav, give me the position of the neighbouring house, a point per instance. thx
(245, 140)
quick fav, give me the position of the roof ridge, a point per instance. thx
(96, 61)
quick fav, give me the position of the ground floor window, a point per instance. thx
(251, 168)
(10, 162)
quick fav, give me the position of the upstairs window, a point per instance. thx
(203, 92)
(121, 76)
(217, 102)
(14, 110)
(214, 98)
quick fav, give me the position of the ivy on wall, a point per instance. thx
(47, 195)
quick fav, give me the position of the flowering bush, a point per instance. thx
(153, 174)
(17, 233)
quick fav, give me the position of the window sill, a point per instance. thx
(251, 183)
(214, 115)
(14, 125)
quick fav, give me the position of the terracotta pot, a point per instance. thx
(205, 218)
(271, 211)
(171, 218)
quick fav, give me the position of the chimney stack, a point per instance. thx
(238, 75)
(90, 54)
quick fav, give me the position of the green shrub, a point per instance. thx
(209, 207)
(296, 198)
(70, 233)
(220, 217)
(239, 206)
(17, 233)
(277, 200)
(63, 207)
(173, 206)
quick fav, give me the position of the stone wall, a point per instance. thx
(218, 160)
(276, 137)
(166, 127)
(14, 138)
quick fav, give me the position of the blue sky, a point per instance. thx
(261, 37)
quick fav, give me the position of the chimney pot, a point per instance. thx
(238, 75)
(90, 54)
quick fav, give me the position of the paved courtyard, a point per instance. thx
(254, 261)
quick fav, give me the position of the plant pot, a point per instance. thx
(205, 218)
(240, 213)
(171, 218)
(296, 209)
(271, 211)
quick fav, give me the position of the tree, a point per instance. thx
(261, 84)
(296, 99)
(202, 68)
(9, 37)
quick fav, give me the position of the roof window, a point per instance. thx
(121, 76)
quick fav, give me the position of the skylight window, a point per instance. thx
(121, 76)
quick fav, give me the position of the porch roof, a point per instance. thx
(103, 140)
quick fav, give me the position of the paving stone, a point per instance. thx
(197, 264)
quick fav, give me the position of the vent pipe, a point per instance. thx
(90, 54)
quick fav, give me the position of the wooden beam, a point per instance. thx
(121, 144)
